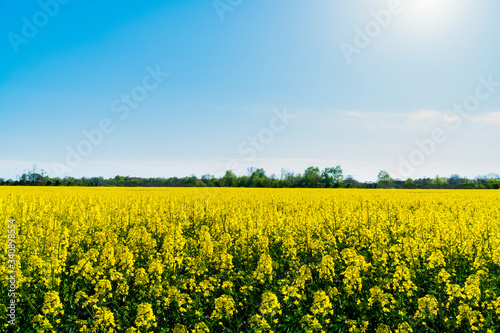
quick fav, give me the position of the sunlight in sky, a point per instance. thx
(432, 16)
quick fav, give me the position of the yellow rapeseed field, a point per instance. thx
(249, 260)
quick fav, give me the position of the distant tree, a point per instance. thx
(332, 176)
(439, 181)
(287, 177)
(350, 181)
(260, 172)
(192, 181)
(493, 184)
(206, 178)
(119, 180)
(454, 180)
(286, 174)
(384, 179)
(229, 179)
(481, 182)
(338, 175)
(409, 183)
(243, 181)
(258, 178)
(32, 176)
(250, 171)
(23, 179)
(494, 176)
(69, 181)
(312, 177)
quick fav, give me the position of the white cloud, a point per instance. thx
(426, 115)
(419, 120)
(490, 119)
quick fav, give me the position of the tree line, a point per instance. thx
(312, 177)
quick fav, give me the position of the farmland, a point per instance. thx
(244, 260)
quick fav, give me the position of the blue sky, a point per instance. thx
(235, 68)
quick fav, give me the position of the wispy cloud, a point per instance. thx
(426, 115)
(419, 120)
(490, 119)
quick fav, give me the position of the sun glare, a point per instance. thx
(432, 16)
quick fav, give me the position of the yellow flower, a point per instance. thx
(264, 268)
(321, 305)
(145, 317)
(270, 305)
(427, 307)
(52, 305)
(200, 328)
(224, 307)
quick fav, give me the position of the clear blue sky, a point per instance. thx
(231, 68)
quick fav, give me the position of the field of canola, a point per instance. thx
(251, 260)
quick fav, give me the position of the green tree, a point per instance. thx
(349, 181)
(229, 179)
(332, 176)
(312, 177)
(493, 184)
(409, 183)
(384, 179)
(259, 178)
(438, 181)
